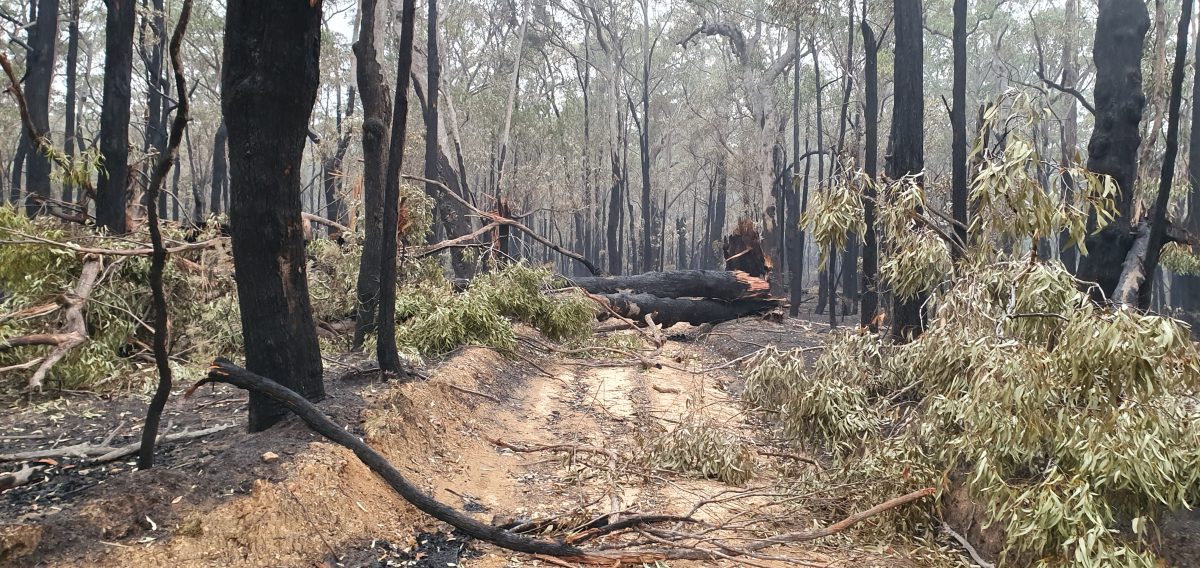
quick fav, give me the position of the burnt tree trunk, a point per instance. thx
(377, 115)
(331, 172)
(795, 235)
(387, 351)
(1069, 255)
(39, 73)
(70, 96)
(870, 252)
(670, 311)
(1113, 149)
(712, 284)
(268, 87)
(908, 137)
(155, 137)
(958, 119)
(114, 115)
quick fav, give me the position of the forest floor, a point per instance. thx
(289, 498)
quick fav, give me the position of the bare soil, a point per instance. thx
(221, 501)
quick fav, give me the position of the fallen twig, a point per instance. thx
(476, 393)
(962, 540)
(103, 452)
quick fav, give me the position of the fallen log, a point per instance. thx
(714, 284)
(670, 311)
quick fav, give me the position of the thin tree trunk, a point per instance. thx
(387, 352)
(795, 235)
(958, 119)
(220, 170)
(870, 256)
(1069, 255)
(268, 87)
(70, 102)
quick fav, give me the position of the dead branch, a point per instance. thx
(501, 220)
(967, 546)
(457, 242)
(104, 452)
(323, 221)
(144, 251)
(17, 478)
(1041, 73)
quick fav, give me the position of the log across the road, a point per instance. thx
(670, 311)
(712, 284)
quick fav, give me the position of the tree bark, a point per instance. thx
(113, 180)
(70, 95)
(1121, 29)
(1069, 255)
(39, 73)
(269, 85)
(387, 351)
(155, 137)
(908, 136)
(331, 171)
(377, 115)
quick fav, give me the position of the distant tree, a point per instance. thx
(269, 85)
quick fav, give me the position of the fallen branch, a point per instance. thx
(103, 452)
(17, 478)
(323, 221)
(144, 251)
(74, 330)
(467, 240)
(712, 284)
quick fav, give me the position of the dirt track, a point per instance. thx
(215, 502)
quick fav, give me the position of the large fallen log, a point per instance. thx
(670, 311)
(714, 284)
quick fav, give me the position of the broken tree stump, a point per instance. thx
(744, 250)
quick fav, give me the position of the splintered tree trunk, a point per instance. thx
(1121, 28)
(377, 115)
(220, 170)
(39, 73)
(870, 253)
(269, 84)
(908, 136)
(114, 115)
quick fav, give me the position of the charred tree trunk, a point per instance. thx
(1158, 216)
(156, 121)
(220, 171)
(377, 115)
(712, 284)
(958, 119)
(870, 253)
(18, 167)
(908, 136)
(795, 246)
(39, 73)
(114, 116)
(268, 87)
(1113, 150)
(670, 311)
(387, 352)
(1069, 254)
(70, 102)
(331, 173)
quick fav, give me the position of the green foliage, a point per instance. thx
(701, 446)
(434, 321)
(836, 213)
(1062, 417)
(1178, 259)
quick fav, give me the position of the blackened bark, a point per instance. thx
(795, 247)
(712, 284)
(681, 244)
(1069, 255)
(377, 115)
(387, 351)
(269, 85)
(670, 311)
(719, 209)
(648, 213)
(1121, 28)
(18, 167)
(613, 231)
(39, 73)
(958, 119)
(908, 136)
(331, 173)
(870, 253)
(156, 120)
(114, 116)
(220, 170)
(70, 102)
